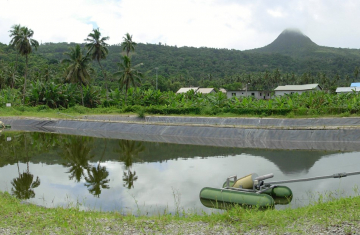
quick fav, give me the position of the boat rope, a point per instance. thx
(338, 175)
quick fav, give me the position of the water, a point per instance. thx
(149, 178)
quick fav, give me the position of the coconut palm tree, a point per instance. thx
(97, 48)
(128, 44)
(128, 75)
(78, 68)
(23, 43)
(15, 31)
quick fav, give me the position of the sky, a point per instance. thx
(231, 24)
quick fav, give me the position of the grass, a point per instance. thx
(78, 111)
(26, 218)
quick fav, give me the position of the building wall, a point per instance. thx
(280, 93)
(256, 94)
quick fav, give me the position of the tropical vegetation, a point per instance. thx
(60, 76)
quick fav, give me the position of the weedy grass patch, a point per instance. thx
(21, 218)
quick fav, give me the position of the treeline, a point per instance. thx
(126, 76)
(188, 66)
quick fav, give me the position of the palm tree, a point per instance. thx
(15, 31)
(78, 69)
(128, 75)
(23, 43)
(97, 48)
(128, 44)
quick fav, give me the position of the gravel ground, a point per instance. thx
(150, 227)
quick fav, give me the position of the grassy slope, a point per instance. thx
(25, 218)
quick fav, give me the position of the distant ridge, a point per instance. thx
(290, 42)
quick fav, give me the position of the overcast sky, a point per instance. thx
(232, 24)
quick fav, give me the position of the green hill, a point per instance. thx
(292, 58)
(294, 43)
(290, 42)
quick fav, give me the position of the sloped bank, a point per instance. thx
(318, 134)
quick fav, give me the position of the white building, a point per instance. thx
(347, 89)
(205, 90)
(243, 93)
(355, 84)
(291, 89)
(186, 89)
(222, 90)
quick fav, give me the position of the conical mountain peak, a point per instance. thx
(291, 41)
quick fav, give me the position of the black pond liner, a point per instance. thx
(339, 134)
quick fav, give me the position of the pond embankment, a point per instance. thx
(272, 133)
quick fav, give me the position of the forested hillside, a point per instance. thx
(291, 59)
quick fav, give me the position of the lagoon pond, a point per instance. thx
(134, 177)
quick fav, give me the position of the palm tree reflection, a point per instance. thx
(97, 180)
(77, 153)
(97, 177)
(129, 178)
(129, 151)
(23, 185)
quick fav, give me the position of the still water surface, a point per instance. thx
(131, 176)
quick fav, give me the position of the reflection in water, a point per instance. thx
(129, 151)
(97, 180)
(77, 154)
(23, 185)
(73, 166)
(97, 177)
(129, 178)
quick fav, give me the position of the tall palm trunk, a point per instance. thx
(104, 74)
(14, 72)
(82, 94)
(26, 66)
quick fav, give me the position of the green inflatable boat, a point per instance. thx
(252, 191)
(248, 191)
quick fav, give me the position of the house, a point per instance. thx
(243, 93)
(186, 89)
(205, 90)
(222, 90)
(291, 89)
(355, 84)
(347, 89)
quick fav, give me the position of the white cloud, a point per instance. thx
(219, 24)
